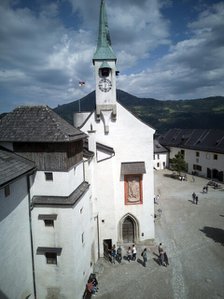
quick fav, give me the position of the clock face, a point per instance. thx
(105, 85)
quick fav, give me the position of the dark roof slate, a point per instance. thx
(132, 168)
(62, 200)
(195, 139)
(158, 148)
(37, 124)
(13, 166)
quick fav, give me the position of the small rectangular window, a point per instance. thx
(49, 222)
(7, 191)
(215, 157)
(157, 164)
(82, 238)
(197, 154)
(48, 219)
(48, 176)
(51, 258)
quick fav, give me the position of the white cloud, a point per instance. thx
(194, 68)
(42, 59)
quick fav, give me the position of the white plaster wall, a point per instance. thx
(68, 278)
(132, 141)
(63, 184)
(205, 160)
(160, 158)
(15, 246)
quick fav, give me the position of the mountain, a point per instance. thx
(206, 113)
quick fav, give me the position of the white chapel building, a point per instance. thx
(68, 193)
(122, 184)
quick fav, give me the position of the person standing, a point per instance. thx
(134, 252)
(113, 254)
(166, 260)
(129, 254)
(193, 197)
(196, 199)
(144, 256)
(119, 254)
(161, 254)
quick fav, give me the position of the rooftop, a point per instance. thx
(13, 166)
(197, 139)
(37, 124)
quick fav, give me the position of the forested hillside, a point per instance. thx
(161, 115)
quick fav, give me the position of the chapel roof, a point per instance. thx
(104, 50)
(37, 124)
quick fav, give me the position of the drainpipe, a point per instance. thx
(31, 236)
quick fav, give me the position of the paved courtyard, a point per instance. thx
(194, 239)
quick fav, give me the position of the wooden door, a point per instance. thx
(128, 230)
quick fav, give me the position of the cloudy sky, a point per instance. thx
(166, 49)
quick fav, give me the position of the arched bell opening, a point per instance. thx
(104, 70)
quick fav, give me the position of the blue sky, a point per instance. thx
(166, 49)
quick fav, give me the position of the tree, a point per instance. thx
(178, 164)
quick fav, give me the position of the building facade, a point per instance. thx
(160, 157)
(203, 150)
(123, 185)
(60, 208)
(16, 256)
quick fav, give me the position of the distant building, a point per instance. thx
(160, 157)
(203, 150)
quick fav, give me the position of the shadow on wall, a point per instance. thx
(2, 295)
(216, 234)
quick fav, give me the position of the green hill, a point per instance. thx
(207, 113)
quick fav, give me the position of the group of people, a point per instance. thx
(195, 198)
(116, 254)
(131, 253)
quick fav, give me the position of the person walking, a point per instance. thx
(144, 256)
(134, 252)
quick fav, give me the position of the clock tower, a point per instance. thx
(104, 61)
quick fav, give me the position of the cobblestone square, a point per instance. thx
(193, 236)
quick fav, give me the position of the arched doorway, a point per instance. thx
(128, 229)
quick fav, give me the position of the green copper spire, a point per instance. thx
(104, 50)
